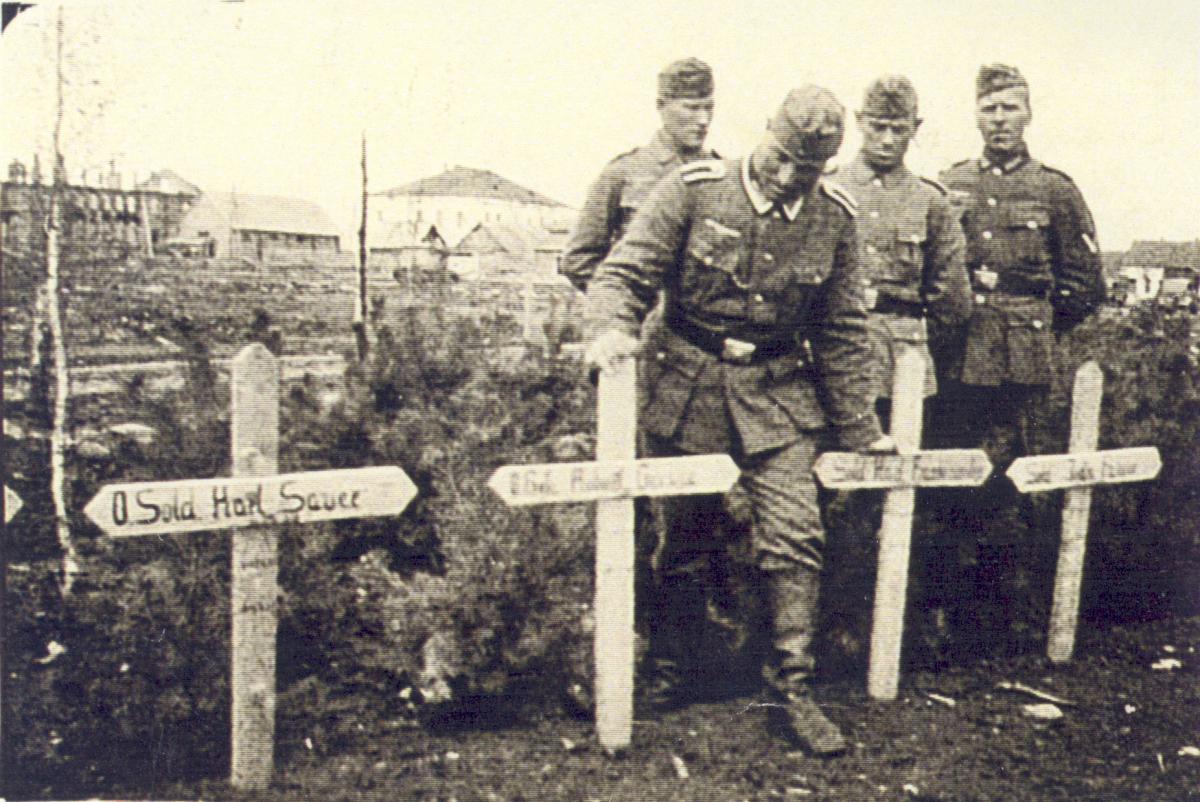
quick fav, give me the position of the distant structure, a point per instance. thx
(496, 250)
(109, 219)
(1152, 269)
(455, 202)
(262, 228)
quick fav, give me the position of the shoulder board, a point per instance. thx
(620, 156)
(1057, 172)
(938, 185)
(704, 170)
(840, 196)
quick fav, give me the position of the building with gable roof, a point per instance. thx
(262, 228)
(1148, 263)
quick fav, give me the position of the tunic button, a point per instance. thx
(991, 201)
(871, 249)
(768, 257)
(758, 299)
(660, 356)
(987, 235)
(708, 260)
(1032, 224)
(1037, 324)
(997, 171)
(979, 299)
(875, 214)
(877, 182)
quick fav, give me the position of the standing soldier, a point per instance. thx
(1035, 270)
(911, 247)
(909, 240)
(685, 104)
(753, 257)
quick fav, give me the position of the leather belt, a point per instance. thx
(731, 349)
(894, 306)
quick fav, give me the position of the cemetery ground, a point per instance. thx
(423, 656)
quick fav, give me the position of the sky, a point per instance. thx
(273, 97)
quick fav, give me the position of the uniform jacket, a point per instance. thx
(733, 265)
(614, 197)
(1031, 237)
(912, 248)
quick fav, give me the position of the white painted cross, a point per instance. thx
(1078, 471)
(612, 481)
(253, 499)
(12, 504)
(901, 474)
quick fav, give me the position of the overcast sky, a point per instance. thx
(271, 97)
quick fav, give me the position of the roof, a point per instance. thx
(552, 241)
(242, 212)
(168, 182)
(407, 234)
(467, 182)
(1162, 253)
(516, 242)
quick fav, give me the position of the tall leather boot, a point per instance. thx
(794, 611)
(676, 635)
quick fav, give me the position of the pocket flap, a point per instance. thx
(1027, 215)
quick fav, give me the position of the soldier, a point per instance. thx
(685, 104)
(754, 257)
(1035, 270)
(909, 240)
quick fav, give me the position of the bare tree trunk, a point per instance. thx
(360, 311)
(62, 388)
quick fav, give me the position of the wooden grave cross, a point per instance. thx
(252, 500)
(900, 474)
(1078, 471)
(612, 481)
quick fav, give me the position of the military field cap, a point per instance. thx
(809, 123)
(688, 78)
(891, 97)
(995, 77)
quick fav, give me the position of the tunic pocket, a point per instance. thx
(1030, 342)
(1027, 227)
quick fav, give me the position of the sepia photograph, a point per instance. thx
(600, 402)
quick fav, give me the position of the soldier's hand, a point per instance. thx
(609, 348)
(883, 445)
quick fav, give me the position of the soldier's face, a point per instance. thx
(886, 139)
(686, 121)
(781, 176)
(1002, 117)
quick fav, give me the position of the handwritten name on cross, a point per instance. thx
(253, 499)
(901, 474)
(612, 481)
(1078, 471)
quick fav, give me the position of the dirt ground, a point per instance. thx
(1131, 732)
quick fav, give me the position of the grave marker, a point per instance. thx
(1078, 471)
(612, 481)
(254, 499)
(901, 474)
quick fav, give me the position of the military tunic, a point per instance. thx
(731, 265)
(612, 200)
(912, 248)
(1034, 265)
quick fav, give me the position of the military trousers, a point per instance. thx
(988, 556)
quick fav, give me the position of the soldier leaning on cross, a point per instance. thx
(1035, 270)
(753, 257)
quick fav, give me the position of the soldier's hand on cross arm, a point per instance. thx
(609, 348)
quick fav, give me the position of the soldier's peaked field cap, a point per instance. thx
(891, 96)
(687, 78)
(809, 123)
(995, 77)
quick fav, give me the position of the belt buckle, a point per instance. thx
(739, 352)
